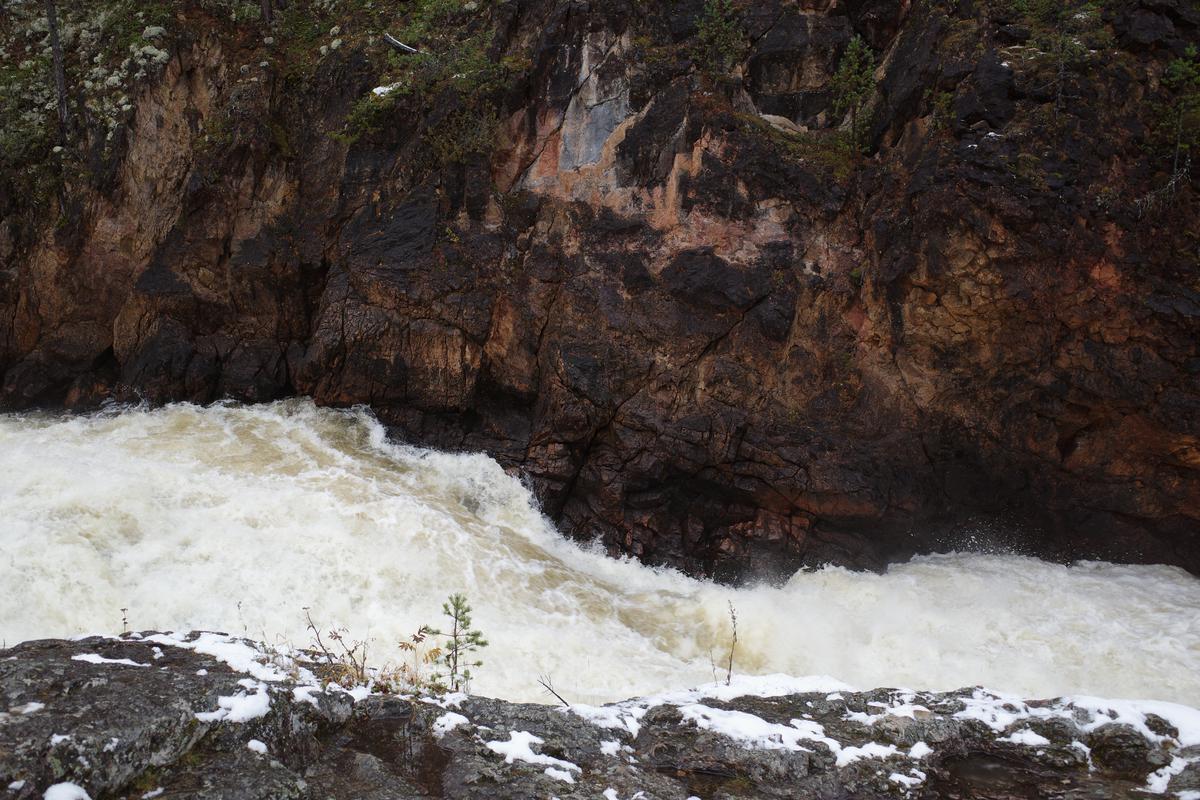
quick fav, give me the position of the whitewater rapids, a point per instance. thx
(238, 518)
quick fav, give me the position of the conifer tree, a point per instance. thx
(852, 86)
(462, 641)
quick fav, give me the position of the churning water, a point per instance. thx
(237, 518)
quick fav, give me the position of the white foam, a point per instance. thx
(236, 518)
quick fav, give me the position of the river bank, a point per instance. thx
(206, 715)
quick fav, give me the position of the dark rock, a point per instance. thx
(707, 338)
(121, 730)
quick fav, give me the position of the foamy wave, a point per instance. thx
(237, 518)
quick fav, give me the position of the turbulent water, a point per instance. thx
(238, 518)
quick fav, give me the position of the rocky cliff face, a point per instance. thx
(206, 716)
(637, 262)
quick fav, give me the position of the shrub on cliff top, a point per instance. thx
(852, 86)
(1181, 114)
(719, 40)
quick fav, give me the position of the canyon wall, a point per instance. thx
(662, 284)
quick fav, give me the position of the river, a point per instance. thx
(239, 518)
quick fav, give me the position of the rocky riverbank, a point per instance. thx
(210, 716)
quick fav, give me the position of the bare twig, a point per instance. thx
(312, 626)
(396, 44)
(732, 643)
(549, 687)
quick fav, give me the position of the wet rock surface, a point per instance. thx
(178, 717)
(706, 335)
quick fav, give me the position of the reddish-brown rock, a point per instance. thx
(706, 339)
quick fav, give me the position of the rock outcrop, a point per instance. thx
(709, 333)
(207, 716)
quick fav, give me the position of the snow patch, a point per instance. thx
(1160, 779)
(610, 748)
(451, 700)
(519, 748)
(908, 781)
(448, 722)
(304, 694)
(627, 715)
(849, 755)
(256, 746)
(240, 707)
(919, 750)
(65, 791)
(755, 731)
(559, 774)
(1026, 737)
(96, 658)
(1001, 711)
(237, 654)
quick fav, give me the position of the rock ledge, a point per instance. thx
(206, 715)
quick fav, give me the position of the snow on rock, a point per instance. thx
(560, 774)
(65, 791)
(28, 708)
(238, 654)
(448, 722)
(240, 707)
(610, 748)
(1001, 711)
(915, 779)
(519, 748)
(919, 750)
(904, 708)
(450, 700)
(627, 715)
(756, 731)
(304, 694)
(1026, 737)
(1158, 780)
(356, 693)
(848, 755)
(256, 746)
(96, 658)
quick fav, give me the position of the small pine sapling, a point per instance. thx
(461, 644)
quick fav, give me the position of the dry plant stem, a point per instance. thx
(312, 626)
(732, 643)
(547, 684)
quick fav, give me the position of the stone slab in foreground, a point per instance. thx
(211, 716)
